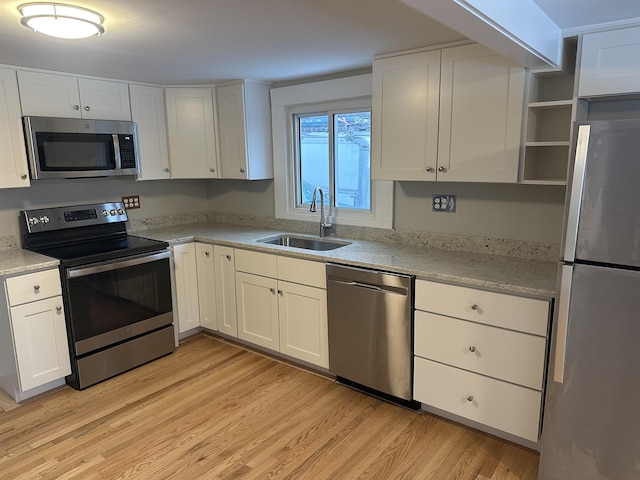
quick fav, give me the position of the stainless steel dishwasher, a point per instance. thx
(371, 331)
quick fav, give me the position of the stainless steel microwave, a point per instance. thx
(77, 148)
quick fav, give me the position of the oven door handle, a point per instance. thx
(114, 265)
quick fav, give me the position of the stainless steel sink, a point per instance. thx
(308, 243)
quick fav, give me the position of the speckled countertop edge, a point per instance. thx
(19, 261)
(495, 272)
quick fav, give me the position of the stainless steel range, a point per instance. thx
(116, 288)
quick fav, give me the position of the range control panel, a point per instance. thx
(49, 219)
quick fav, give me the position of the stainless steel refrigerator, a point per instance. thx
(591, 426)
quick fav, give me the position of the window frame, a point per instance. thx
(325, 96)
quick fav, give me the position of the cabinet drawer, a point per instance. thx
(503, 354)
(33, 286)
(500, 405)
(305, 272)
(498, 309)
(258, 263)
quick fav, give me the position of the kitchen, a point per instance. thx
(493, 214)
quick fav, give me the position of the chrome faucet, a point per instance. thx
(323, 223)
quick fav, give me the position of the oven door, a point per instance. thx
(110, 302)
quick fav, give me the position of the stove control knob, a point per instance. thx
(120, 211)
(105, 213)
(113, 212)
(44, 219)
(33, 221)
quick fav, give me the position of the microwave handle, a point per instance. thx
(111, 265)
(116, 150)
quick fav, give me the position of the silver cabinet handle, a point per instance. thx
(472, 349)
(442, 169)
(23, 176)
(280, 292)
(430, 169)
(58, 309)
(166, 170)
(470, 398)
(474, 307)
(272, 290)
(206, 254)
(242, 170)
(228, 257)
(87, 108)
(76, 107)
(212, 169)
(36, 288)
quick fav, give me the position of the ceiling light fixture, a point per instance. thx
(60, 20)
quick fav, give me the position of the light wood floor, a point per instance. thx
(213, 410)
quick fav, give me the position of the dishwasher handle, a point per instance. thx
(382, 289)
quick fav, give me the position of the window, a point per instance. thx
(322, 139)
(332, 153)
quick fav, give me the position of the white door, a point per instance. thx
(191, 132)
(14, 171)
(184, 257)
(225, 272)
(258, 310)
(231, 125)
(49, 95)
(303, 323)
(40, 339)
(147, 110)
(206, 285)
(104, 100)
(481, 105)
(404, 130)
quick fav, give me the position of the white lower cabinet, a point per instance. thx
(225, 273)
(481, 356)
(205, 266)
(282, 305)
(33, 335)
(186, 286)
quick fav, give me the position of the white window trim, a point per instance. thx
(283, 102)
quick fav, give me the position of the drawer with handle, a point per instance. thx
(501, 405)
(498, 309)
(495, 352)
(33, 286)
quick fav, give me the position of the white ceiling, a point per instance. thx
(203, 41)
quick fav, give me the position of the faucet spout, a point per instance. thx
(324, 225)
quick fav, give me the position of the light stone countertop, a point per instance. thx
(18, 261)
(495, 272)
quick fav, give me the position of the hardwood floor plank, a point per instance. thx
(213, 410)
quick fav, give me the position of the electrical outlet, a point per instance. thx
(444, 203)
(132, 201)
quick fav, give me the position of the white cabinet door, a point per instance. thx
(481, 105)
(147, 110)
(303, 323)
(51, 95)
(206, 285)
(191, 132)
(244, 125)
(48, 95)
(40, 342)
(225, 290)
(404, 130)
(14, 170)
(610, 63)
(258, 310)
(186, 274)
(104, 100)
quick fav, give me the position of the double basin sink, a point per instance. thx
(307, 243)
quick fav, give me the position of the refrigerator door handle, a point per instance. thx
(575, 199)
(562, 322)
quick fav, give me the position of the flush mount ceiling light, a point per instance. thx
(60, 20)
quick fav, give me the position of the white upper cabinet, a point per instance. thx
(51, 95)
(449, 115)
(481, 106)
(191, 132)
(406, 96)
(147, 110)
(244, 125)
(14, 171)
(610, 63)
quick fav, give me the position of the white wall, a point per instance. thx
(242, 197)
(157, 198)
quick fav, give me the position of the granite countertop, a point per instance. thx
(496, 272)
(18, 261)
